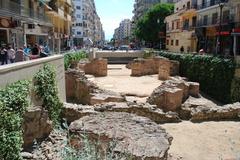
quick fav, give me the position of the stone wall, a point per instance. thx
(82, 91)
(36, 125)
(96, 67)
(26, 70)
(141, 67)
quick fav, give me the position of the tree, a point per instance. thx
(152, 23)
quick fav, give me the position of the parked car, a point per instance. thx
(124, 48)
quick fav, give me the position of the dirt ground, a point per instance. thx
(205, 141)
(119, 80)
(192, 141)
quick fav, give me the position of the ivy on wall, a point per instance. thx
(46, 88)
(214, 74)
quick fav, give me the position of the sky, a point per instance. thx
(112, 12)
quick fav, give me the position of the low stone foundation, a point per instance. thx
(156, 65)
(82, 91)
(96, 67)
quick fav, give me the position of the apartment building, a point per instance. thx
(87, 27)
(23, 22)
(180, 27)
(142, 6)
(123, 32)
(218, 26)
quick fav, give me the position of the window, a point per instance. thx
(167, 42)
(178, 24)
(205, 20)
(214, 18)
(172, 25)
(177, 42)
(188, 5)
(186, 24)
(78, 15)
(79, 33)
(194, 21)
(78, 7)
(172, 42)
(226, 16)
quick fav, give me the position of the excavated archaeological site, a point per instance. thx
(147, 110)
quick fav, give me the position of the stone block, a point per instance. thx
(164, 72)
(194, 89)
(36, 125)
(174, 68)
(96, 67)
(173, 99)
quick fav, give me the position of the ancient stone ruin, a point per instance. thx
(172, 93)
(96, 67)
(36, 125)
(157, 65)
(82, 91)
(135, 136)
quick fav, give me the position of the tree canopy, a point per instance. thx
(152, 23)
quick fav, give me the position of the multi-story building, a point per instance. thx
(23, 22)
(87, 27)
(180, 27)
(123, 32)
(60, 12)
(218, 26)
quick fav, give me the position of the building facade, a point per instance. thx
(180, 27)
(23, 22)
(87, 27)
(60, 15)
(27, 22)
(218, 26)
(123, 32)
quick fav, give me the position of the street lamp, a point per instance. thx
(219, 41)
(160, 44)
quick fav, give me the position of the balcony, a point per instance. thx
(215, 21)
(29, 12)
(9, 8)
(210, 3)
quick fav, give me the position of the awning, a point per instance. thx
(44, 2)
(223, 33)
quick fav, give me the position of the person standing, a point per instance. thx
(182, 49)
(35, 50)
(11, 54)
(26, 51)
(4, 56)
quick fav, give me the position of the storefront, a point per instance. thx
(236, 41)
(5, 25)
(3, 36)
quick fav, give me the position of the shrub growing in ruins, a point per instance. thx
(71, 57)
(13, 104)
(213, 73)
(46, 88)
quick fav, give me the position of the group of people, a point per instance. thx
(9, 55)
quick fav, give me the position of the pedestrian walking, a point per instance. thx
(11, 54)
(4, 55)
(182, 49)
(19, 55)
(26, 51)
